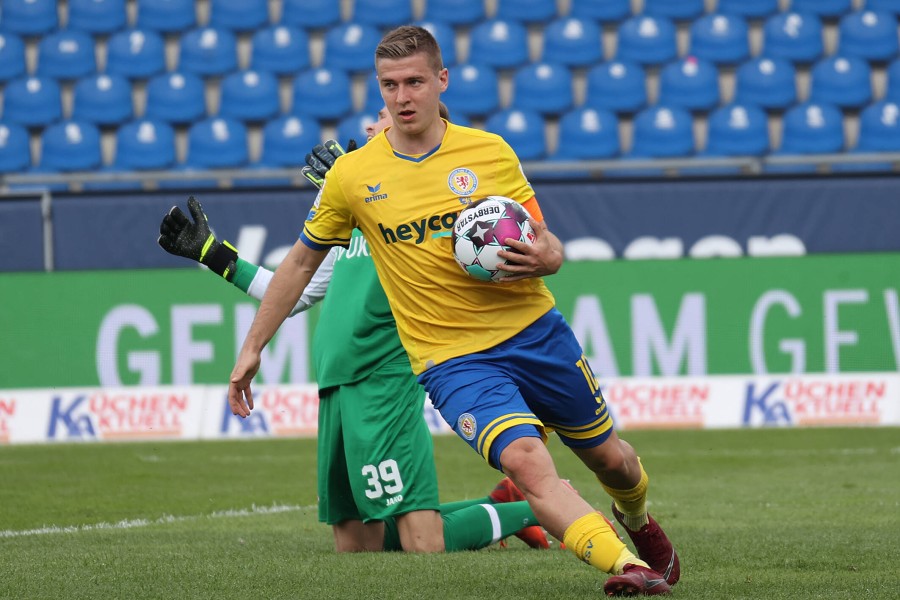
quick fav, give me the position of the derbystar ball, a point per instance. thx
(480, 232)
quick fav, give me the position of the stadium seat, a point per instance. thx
(70, 146)
(238, 15)
(217, 143)
(32, 101)
(543, 87)
(572, 42)
(97, 16)
(286, 140)
(322, 93)
(619, 86)
(793, 36)
(29, 17)
(455, 12)
(523, 130)
(474, 91)
(587, 134)
(681, 10)
(691, 83)
(136, 54)
(311, 14)
(737, 130)
(166, 16)
(750, 9)
(177, 98)
(208, 52)
(66, 55)
(845, 81)
(767, 82)
(15, 154)
(382, 13)
(145, 145)
(811, 128)
(825, 9)
(879, 128)
(647, 40)
(499, 44)
(374, 101)
(280, 49)
(893, 81)
(602, 11)
(868, 34)
(102, 100)
(446, 39)
(351, 47)
(720, 38)
(526, 11)
(891, 6)
(12, 56)
(249, 96)
(662, 132)
(354, 128)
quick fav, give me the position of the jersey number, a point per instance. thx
(383, 479)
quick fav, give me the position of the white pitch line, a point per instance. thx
(165, 519)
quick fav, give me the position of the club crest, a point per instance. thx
(462, 182)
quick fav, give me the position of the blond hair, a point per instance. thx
(407, 40)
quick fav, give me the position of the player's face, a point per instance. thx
(411, 90)
(384, 120)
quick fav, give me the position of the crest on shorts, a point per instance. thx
(462, 182)
(467, 425)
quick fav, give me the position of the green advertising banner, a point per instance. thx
(811, 314)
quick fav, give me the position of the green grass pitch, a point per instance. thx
(776, 513)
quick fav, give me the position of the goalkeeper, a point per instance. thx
(376, 477)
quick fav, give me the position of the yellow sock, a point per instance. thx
(592, 541)
(632, 503)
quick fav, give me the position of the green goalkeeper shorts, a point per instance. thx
(375, 455)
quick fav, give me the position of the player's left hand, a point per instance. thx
(181, 236)
(321, 159)
(543, 257)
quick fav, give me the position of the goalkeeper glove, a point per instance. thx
(193, 240)
(322, 158)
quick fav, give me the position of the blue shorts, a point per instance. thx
(533, 383)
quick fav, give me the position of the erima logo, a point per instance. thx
(373, 189)
(416, 231)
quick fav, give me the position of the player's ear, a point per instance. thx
(444, 78)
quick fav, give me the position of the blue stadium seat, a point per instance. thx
(12, 56)
(845, 81)
(217, 143)
(893, 81)
(322, 93)
(587, 134)
(354, 128)
(720, 38)
(473, 90)
(750, 9)
(879, 128)
(826, 9)
(662, 132)
(97, 16)
(737, 130)
(280, 49)
(166, 16)
(891, 6)
(286, 140)
(647, 40)
(70, 146)
(868, 34)
(66, 55)
(382, 13)
(523, 130)
(572, 42)
(136, 54)
(811, 128)
(29, 17)
(619, 86)
(543, 87)
(526, 11)
(446, 39)
(681, 10)
(500, 44)
(311, 14)
(455, 12)
(177, 98)
(208, 51)
(15, 154)
(351, 47)
(238, 15)
(794, 36)
(602, 11)
(767, 82)
(691, 83)
(32, 101)
(145, 144)
(249, 96)
(374, 101)
(102, 100)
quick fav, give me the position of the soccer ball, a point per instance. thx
(480, 230)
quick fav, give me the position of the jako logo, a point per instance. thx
(439, 224)
(375, 195)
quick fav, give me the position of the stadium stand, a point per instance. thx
(572, 42)
(893, 82)
(29, 17)
(136, 54)
(287, 139)
(879, 128)
(311, 14)
(280, 49)
(176, 97)
(812, 128)
(523, 129)
(97, 16)
(526, 11)
(12, 56)
(446, 38)
(208, 51)
(70, 146)
(588, 134)
(647, 40)
(751, 9)
(845, 81)
(738, 130)
(350, 47)
(543, 87)
(455, 12)
(322, 94)
(619, 86)
(32, 101)
(826, 9)
(662, 132)
(238, 15)
(691, 83)
(14, 151)
(720, 38)
(602, 11)
(678, 11)
(217, 143)
(793, 36)
(500, 44)
(103, 100)
(145, 144)
(66, 55)
(166, 16)
(474, 91)
(767, 82)
(868, 34)
(382, 13)
(891, 6)
(352, 128)
(249, 96)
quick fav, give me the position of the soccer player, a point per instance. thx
(498, 360)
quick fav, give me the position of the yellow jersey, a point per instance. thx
(405, 207)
